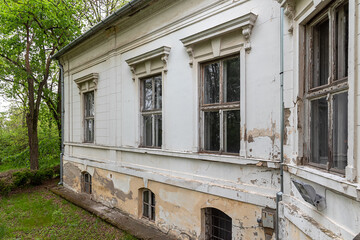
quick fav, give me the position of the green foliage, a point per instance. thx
(5, 188)
(14, 152)
(21, 178)
(31, 31)
(33, 177)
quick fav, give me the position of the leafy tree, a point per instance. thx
(31, 31)
(96, 10)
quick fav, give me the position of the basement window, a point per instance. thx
(327, 87)
(151, 89)
(148, 198)
(86, 182)
(218, 225)
(220, 105)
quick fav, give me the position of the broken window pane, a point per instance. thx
(148, 94)
(319, 131)
(212, 131)
(342, 36)
(321, 54)
(231, 77)
(158, 130)
(147, 135)
(211, 83)
(232, 131)
(158, 93)
(340, 130)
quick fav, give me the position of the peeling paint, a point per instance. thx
(287, 113)
(109, 185)
(72, 175)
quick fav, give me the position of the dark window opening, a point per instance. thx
(328, 35)
(149, 205)
(220, 105)
(151, 111)
(89, 116)
(218, 225)
(86, 183)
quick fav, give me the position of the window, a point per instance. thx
(218, 225)
(220, 105)
(86, 182)
(151, 105)
(327, 95)
(89, 116)
(148, 198)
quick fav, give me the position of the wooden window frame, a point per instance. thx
(333, 87)
(220, 107)
(153, 113)
(91, 117)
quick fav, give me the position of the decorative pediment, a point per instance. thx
(244, 23)
(88, 82)
(146, 58)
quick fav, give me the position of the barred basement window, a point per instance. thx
(218, 225)
(89, 116)
(151, 111)
(327, 52)
(86, 182)
(149, 205)
(220, 105)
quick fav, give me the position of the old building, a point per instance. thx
(173, 114)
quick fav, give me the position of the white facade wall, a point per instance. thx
(253, 176)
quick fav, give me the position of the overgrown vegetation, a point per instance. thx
(14, 149)
(11, 180)
(43, 215)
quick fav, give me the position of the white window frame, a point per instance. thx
(153, 112)
(220, 107)
(85, 84)
(143, 66)
(220, 43)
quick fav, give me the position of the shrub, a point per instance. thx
(5, 188)
(22, 178)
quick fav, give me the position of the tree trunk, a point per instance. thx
(33, 141)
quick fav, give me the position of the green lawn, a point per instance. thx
(40, 214)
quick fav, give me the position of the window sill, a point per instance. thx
(232, 159)
(328, 180)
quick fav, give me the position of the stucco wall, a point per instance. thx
(251, 179)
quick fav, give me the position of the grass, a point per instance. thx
(41, 214)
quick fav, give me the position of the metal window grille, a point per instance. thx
(218, 225)
(149, 205)
(86, 179)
